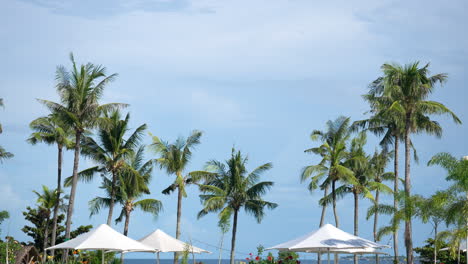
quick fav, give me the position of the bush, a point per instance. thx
(13, 247)
(426, 254)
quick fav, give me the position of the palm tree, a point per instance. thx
(389, 124)
(51, 130)
(47, 200)
(174, 158)
(80, 91)
(3, 153)
(457, 170)
(110, 151)
(378, 164)
(434, 210)
(409, 87)
(333, 153)
(134, 183)
(233, 188)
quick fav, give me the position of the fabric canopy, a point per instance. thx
(462, 247)
(326, 238)
(162, 242)
(103, 238)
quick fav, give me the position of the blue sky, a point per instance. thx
(259, 75)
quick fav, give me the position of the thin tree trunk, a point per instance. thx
(71, 201)
(112, 200)
(435, 243)
(57, 205)
(233, 240)
(395, 197)
(376, 220)
(179, 215)
(127, 222)
(408, 226)
(322, 221)
(221, 248)
(46, 236)
(356, 220)
(335, 213)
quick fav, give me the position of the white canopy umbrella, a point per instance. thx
(162, 242)
(328, 239)
(462, 247)
(103, 238)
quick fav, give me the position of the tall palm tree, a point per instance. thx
(110, 151)
(389, 124)
(46, 200)
(174, 158)
(409, 87)
(80, 91)
(52, 131)
(333, 153)
(3, 153)
(378, 164)
(233, 188)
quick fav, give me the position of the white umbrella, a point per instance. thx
(327, 239)
(162, 242)
(103, 238)
(461, 247)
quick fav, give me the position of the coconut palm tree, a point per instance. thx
(134, 184)
(3, 153)
(174, 158)
(110, 151)
(378, 164)
(409, 87)
(232, 188)
(46, 200)
(52, 131)
(80, 91)
(333, 153)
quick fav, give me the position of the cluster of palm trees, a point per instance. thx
(399, 108)
(99, 132)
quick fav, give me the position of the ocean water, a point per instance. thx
(362, 260)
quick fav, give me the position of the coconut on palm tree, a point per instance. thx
(110, 150)
(80, 91)
(174, 159)
(232, 188)
(52, 131)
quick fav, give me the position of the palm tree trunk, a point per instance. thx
(71, 201)
(46, 236)
(221, 248)
(408, 226)
(112, 200)
(395, 198)
(322, 221)
(233, 240)
(127, 222)
(356, 220)
(57, 205)
(335, 213)
(179, 215)
(435, 243)
(376, 220)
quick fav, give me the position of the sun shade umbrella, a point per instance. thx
(162, 242)
(103, 238)
(327, 239)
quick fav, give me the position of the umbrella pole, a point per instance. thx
(328, 259)
(102, 256)
(158, 256)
